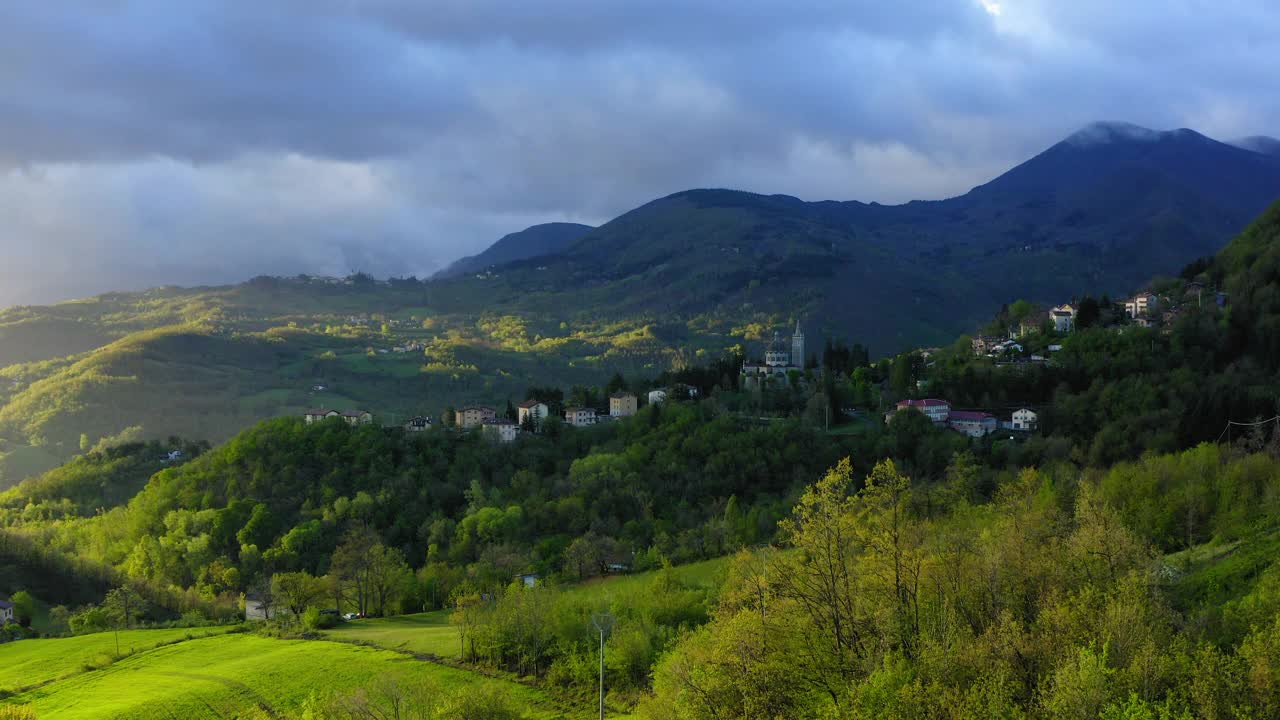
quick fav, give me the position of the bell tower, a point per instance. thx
(797, 346)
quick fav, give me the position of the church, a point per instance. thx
(780, 359)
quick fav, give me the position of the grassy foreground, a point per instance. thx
(247, 676)
(28, 663)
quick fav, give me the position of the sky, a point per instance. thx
(190, 142)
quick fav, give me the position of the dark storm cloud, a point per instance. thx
(157, 142)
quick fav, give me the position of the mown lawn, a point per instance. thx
(425, 633)
(248, 676)
(26, 663)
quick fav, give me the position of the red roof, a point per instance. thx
(927, 402)
(530, 403)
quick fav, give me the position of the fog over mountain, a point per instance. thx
(150, 143)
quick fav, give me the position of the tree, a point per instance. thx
(387, 570)
(351, 561)
(24, 607)
(122, 607)
(297, 590)
(584, 556)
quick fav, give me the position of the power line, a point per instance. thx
(1234, 423)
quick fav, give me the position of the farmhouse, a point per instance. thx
(622, 404)
(418, 423)
(657, 397)
(474, 416)
(357, 417)
(6, 612)
(320, 415)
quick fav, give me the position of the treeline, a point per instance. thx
(680, 481)
(1052, 601)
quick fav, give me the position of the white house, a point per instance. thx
(527, 579)
(357, 417)
(6, 612)
(1063, 318)
(935, 410)
(973, 424)
(418, 423)
(1024, 419)
(657, 397)
(501, 429)
(533, 411)
(1140, 305)
(580, 417)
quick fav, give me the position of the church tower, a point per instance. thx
(797, 346)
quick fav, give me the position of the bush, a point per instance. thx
(17, 712)
(313, 619)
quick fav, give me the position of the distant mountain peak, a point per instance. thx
(1101, 133)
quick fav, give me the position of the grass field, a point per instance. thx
(247, 676)
(423, 633)
(27, 663)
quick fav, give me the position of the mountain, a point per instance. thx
(1101, 211)
(1259, 144)
(677, 280)
(545, 239)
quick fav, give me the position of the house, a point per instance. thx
(580, 417)
(527, 580)
(934, 409)
(1055, 348)
(1063, 318)
(173, 456)
(418, 423)
(1024, 419)
(474, 416)
(320, 415)
(6, 612)
(971, 423)
(500, 429)
(657, 397)
(623, 404)
(1140, 305)
(532, 412)
(357, 417)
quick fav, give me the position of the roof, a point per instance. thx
(971, 415)
(621, 395)
(927, 402)
(476, 407)
(355, 413)
(570, 410)
(5, 605)
(321, 411)
(530, 403)
(498, 421)
(778, 344)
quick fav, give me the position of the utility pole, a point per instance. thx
(604, 623)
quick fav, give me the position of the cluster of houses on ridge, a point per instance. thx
(529, 414)
(1144, 309)
(973, 423)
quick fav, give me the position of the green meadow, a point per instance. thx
(28, 663)
(246, 676)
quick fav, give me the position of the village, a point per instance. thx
(1032, 340)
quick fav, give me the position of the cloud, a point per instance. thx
(146, 142)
